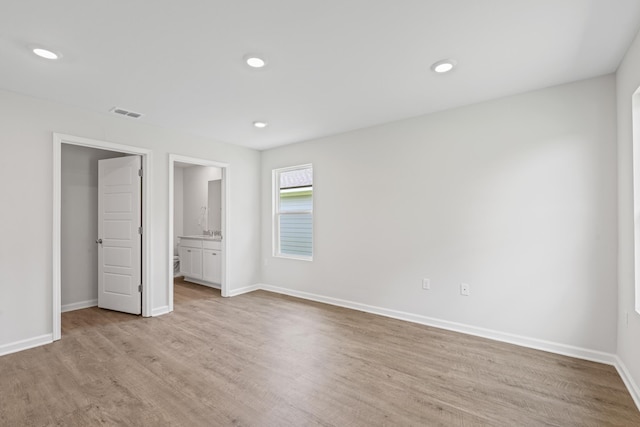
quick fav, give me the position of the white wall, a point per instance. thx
(516, 197)
(26, 126)
(196, 196)
(628, 80)
(214, 197)
(178, 206)
(79, 223)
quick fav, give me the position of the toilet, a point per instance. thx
(176, 266)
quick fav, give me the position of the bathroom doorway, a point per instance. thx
(198, 223)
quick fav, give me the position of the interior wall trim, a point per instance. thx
(534, 343)
(552, 347)
(523, 341)
(17, 346)
(79, 305)
(632, 386)
(246, 289)
(159, 311)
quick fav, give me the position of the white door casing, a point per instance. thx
(225, 249)
(119, 241)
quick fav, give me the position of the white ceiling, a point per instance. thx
(333, 65)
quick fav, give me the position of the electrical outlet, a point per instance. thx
(464, 289)
(426, 284)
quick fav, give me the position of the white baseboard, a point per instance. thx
(232, 293)
(246, 289)
(79, 305)
(159, 311)
(552, 347)
(202, 282)
(563, 349)
(14, 347)
(633, 388)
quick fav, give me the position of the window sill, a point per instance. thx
(295, 257)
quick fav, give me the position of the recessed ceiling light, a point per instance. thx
(443, 66)
(44, 53)
(260, 125)
(254, 61)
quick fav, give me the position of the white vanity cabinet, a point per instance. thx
(191, 258)
(211, 265)
(201, 260)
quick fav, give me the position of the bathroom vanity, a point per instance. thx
(201, 260)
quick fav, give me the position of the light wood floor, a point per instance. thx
(263, 359)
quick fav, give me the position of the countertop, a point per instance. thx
(202, 237)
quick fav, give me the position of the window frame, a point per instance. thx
(276, 214)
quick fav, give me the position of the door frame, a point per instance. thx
(226, 238)
(58, 140)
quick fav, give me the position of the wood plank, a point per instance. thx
(263, 359)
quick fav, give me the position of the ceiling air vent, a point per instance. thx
(126, 113)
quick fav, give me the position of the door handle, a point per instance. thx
(99, 241)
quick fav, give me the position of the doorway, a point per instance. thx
(117, 150)
(209, 219)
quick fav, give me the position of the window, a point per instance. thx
(293, 212)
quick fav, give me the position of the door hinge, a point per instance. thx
(140, 172)
(139, 288)
(139, 230)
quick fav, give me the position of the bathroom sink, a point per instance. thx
(201, 237)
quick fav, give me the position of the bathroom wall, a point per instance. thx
(79, 228)
(215, 205)
(178, 206)
(195, 197)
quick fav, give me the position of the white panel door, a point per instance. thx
(119, 242)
